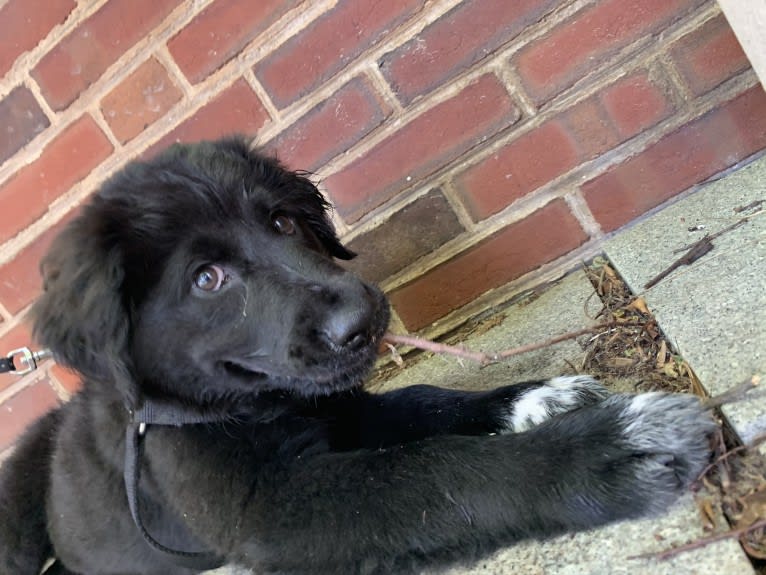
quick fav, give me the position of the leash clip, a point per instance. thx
(24, 360)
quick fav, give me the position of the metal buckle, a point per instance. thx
(27, 358)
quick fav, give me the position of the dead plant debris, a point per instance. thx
(636, 349)
(734, 485)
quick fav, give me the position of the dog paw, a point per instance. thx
(625, 456)
(552, 398)
(668, 437)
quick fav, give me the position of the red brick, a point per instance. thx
(139, 100)
(522, 166)
(581, 133)
(414, 231)
(20, 280)
(235, 110)
(521, 247)
(708, 56)
(694, 152)
(22, 119)
(23, 408)
(68, 379)
(19, 336)
(570, 51)
(220, 31)
(67, 160)
(589, 125)
(422, 146)
(456, 41)
(635, 104)
(328, 44)
(332, 126)
(85, 54)
(25, 23)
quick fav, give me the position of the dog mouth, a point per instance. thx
(262, 372)
(241, 370)
(329, 374)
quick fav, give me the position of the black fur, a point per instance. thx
(307, 473)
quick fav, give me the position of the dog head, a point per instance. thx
(208, 272)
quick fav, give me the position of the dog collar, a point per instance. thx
(155, 412)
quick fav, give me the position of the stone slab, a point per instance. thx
(713, 310)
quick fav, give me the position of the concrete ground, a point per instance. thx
(714, 311)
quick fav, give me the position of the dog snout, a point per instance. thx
(348, 326)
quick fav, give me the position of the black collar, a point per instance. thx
(155, 412)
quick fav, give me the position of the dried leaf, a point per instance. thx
(662, 355)
(639, 304)
(669, 369)
(753, 509)
(707, 514)
(620, 362)
(651, 329)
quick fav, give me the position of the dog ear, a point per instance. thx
(325, 233)
(315, 210)
(81, 316)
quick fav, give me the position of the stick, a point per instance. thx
(698, 250)
(733, 451)
(428, 345)
(732, 534)
(734, 394)
(488, 358)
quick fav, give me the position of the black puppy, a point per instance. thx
(222, 416)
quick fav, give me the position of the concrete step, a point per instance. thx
(713, 310)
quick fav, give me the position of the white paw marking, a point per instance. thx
(555, 396)
(671, 432)
(663, 420)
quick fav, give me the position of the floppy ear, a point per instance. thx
(325, 233)
(315, 210)
(81, 316)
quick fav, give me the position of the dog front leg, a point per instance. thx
(420, 411)
(393, 509)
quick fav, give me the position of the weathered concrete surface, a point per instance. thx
(714, 310)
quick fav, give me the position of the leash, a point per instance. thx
(23, 360)
(154, 412)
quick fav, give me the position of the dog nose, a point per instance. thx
(346, 329)
(348, 322)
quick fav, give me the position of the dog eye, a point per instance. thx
(209, 278)
(285, 225)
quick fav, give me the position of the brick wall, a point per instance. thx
(471, 148)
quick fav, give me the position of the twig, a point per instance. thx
(753, 443)
(750, 206)
(428, 345)
(488, 358)
(734, 394)
(697, 250)
(719, 233)
(699, 543)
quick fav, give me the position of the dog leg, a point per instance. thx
(420, 411)
(442, 498)
(24, 481)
